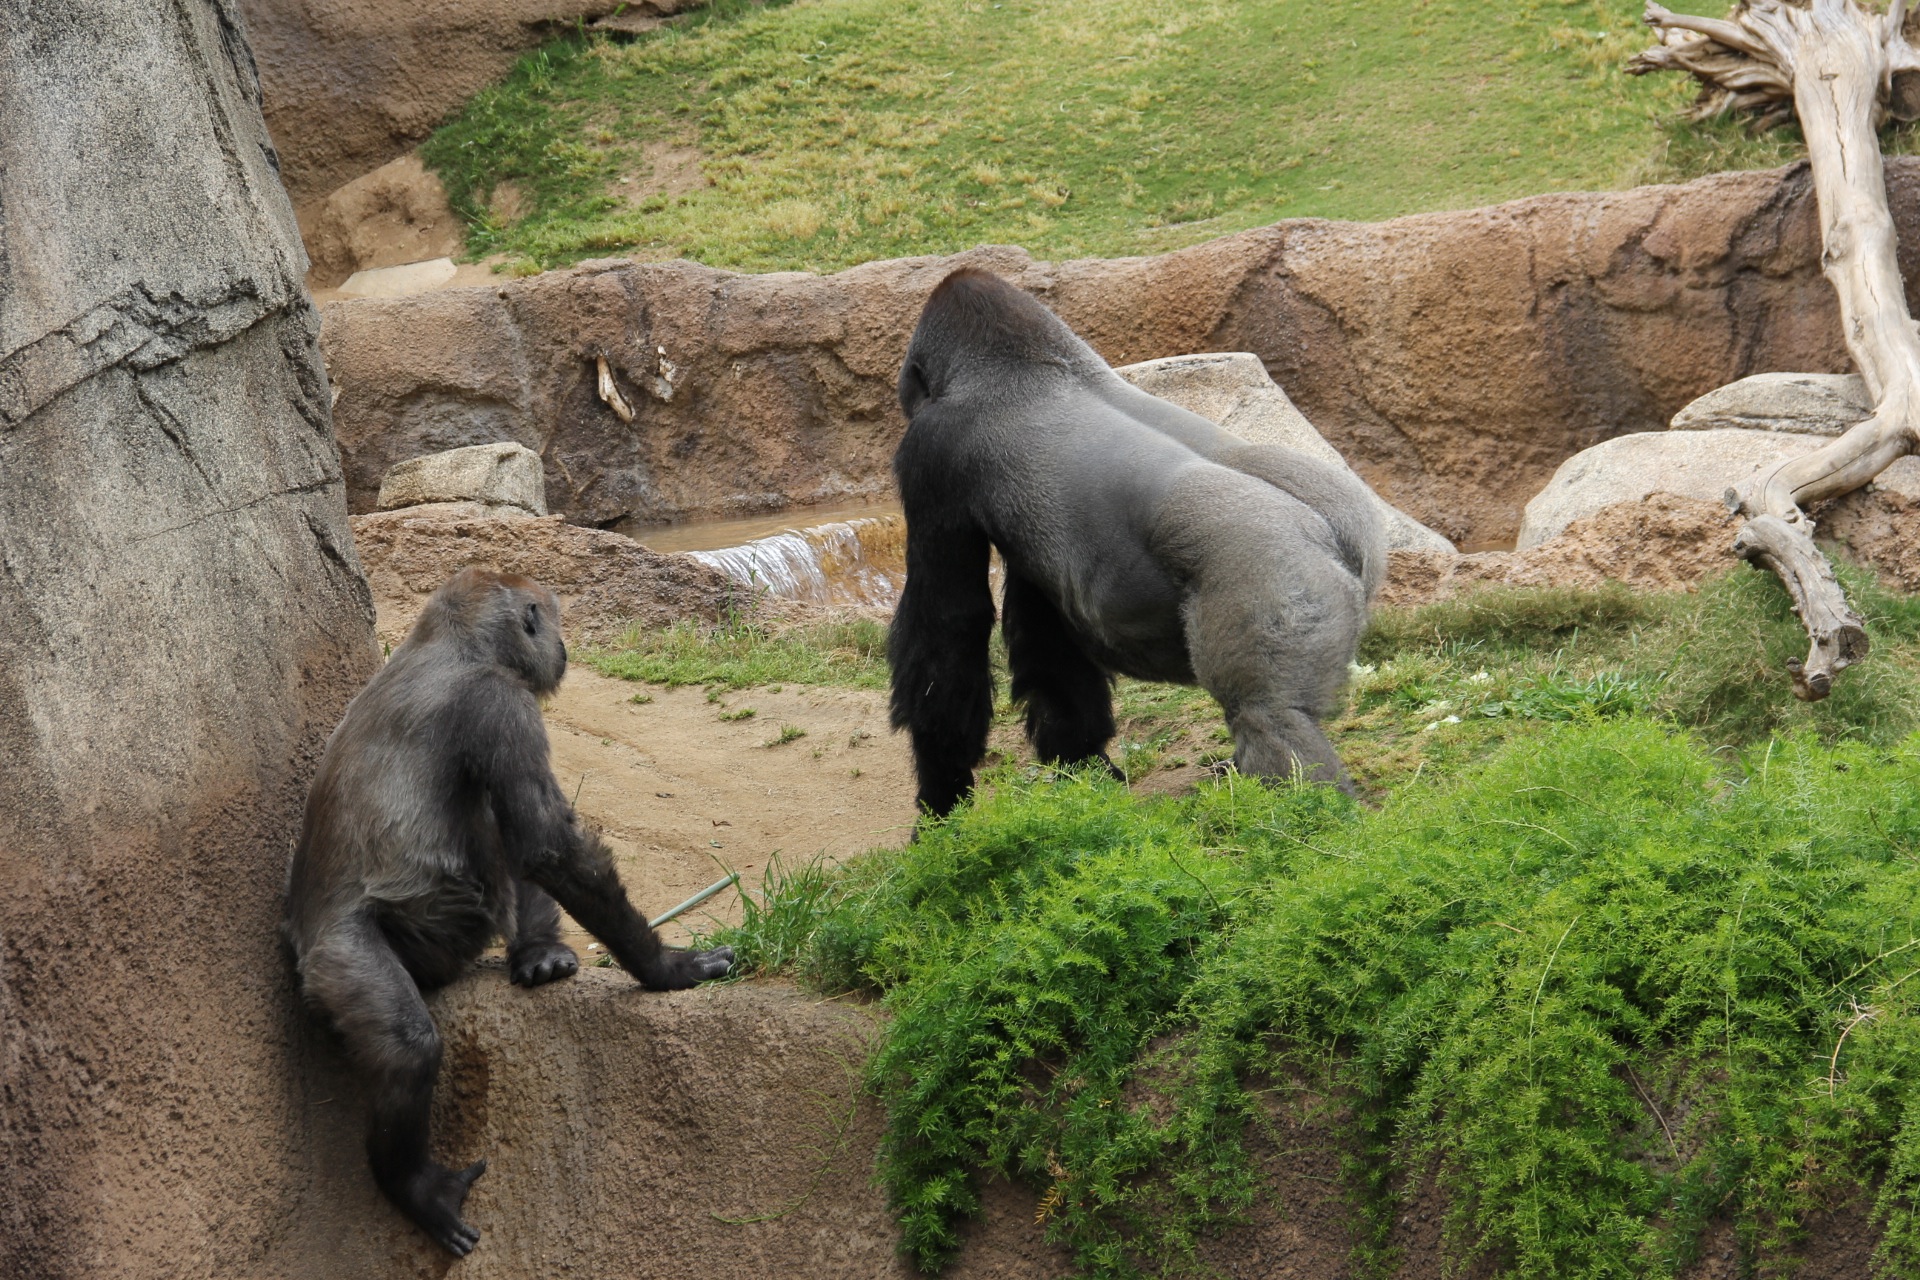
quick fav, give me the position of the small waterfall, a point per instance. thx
(859, 561)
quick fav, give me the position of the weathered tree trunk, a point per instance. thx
(1842, 71)
(182, 620)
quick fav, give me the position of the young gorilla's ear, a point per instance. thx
(914, 391)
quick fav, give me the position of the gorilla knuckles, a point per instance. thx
(433, 826)
(1139, 539)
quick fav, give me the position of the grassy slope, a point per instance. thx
(1609, 881)
(838, 131)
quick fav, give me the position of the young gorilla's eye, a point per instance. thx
(533, 619)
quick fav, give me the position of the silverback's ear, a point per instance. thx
(914, 391)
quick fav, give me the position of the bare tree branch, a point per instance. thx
(1844, 70)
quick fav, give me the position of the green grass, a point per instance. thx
(838, 131)
(1435, 687)
(1440, 686)
(745, 655)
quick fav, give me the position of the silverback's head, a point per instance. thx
(976, 323)
(501, 618)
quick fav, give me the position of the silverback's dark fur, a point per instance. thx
(1138, 539)
(434, 826)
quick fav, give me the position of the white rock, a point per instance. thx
(1901, 476)
(1231, 389)
(1691, 464)
(398, 282)
(1820, 404)
(503, 478)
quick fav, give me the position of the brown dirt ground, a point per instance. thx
(684, 796)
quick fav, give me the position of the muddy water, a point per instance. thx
(844, 555)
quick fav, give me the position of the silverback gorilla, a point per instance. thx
(1138, 539)
(433, 826)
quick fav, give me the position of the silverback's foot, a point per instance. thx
(538, 963)
(432, 1198)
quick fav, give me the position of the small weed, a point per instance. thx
(739, 713)
(788, 733)
(641, 699)
(778, 921)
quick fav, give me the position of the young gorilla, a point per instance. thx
(433, 826)
(1138, 538)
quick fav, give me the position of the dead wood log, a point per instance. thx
(1842, 70)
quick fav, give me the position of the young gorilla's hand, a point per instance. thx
(675, 970)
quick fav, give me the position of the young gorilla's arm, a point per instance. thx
(550, 847)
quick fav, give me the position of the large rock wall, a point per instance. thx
(1455, 358)
(182, 620)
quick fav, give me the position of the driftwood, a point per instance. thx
(1842, 70)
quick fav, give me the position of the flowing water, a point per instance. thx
(849, 555)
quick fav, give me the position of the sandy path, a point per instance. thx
(684, 796)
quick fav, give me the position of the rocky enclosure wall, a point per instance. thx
(182, 620)
(1455, 358)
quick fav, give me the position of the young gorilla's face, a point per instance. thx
(529, 627)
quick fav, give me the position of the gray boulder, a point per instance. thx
(1231, 389)
(1818, 404)
(1692, 464)
(504, 479)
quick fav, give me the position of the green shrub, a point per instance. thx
(1607, 985)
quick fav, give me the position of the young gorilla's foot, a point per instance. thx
(541, 962)
(676, 970)
(432, 1197)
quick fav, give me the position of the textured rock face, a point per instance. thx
(395, 215)
(1454, 359)
(1664, 542)
(493, 475)
(1232, 390)
(351, 84)
(182, 620)
(1692, 464)
(604, 580)
(609, 1134)
(1659, 542)
(1816, 404)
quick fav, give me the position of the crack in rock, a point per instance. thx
(136, 328)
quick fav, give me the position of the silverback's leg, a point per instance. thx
(1069, 701)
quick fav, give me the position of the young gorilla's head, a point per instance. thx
(503, 618)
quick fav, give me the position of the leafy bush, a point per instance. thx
(1607, 984)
